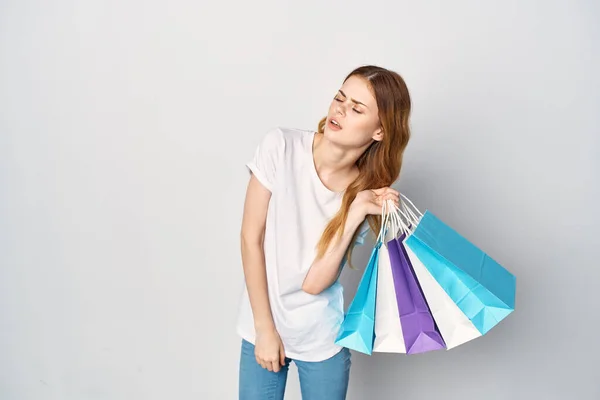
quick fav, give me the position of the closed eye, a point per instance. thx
(354, 109)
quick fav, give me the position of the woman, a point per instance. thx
(308, 194)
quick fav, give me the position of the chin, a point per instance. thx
(345, 138)
(339, 138)
(332, 135)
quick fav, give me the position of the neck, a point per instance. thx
(334, 162)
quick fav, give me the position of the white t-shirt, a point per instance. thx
(299, 210)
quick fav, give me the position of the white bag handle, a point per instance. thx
(395, 217)
(389, 220)
(411, 218)
(393, 220)
(418, 213)
(405, 225)
(403, 218)
(384, 221)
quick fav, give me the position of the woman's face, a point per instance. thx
(355, 110)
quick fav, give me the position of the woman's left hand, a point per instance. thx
(370, 201)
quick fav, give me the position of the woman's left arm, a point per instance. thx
(325, 270)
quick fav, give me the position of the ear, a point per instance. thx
(378, 134)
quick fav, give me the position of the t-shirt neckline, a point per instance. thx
(313, 167)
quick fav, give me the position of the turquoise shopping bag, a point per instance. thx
(483, 289)
(357, 331)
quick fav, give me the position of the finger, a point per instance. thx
(281, 355)
(387, 197)
(392, 196)
(391, 191)
(261, 362)
(385, 193)
(275, 366)
(269, 365)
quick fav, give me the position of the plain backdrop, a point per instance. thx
(124, 130)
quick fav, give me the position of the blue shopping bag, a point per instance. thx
(483, 289)
(357, 331)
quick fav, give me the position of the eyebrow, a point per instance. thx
(355, 101)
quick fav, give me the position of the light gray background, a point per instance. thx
(124, 129)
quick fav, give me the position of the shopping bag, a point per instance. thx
(388, 331)
(358, 327)
(481, 288)
(418, 327)
(453, 324)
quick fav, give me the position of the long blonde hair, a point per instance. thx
(380, 164)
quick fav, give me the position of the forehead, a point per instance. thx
(357, 88)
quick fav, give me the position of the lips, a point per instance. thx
(336, 122)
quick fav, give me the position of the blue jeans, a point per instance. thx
(322, 380)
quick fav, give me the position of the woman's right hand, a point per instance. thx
(268, 350)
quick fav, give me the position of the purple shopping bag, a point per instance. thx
(418, 327)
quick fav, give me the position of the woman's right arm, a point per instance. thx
(269, 350)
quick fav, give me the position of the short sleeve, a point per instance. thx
(267, 158)
(363, 229)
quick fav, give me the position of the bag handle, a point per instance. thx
(385, 217)
(395, 218)
(414, 212)
(389, 220)
(402, 218)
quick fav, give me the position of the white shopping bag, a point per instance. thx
(454, 326)
(388, 331)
